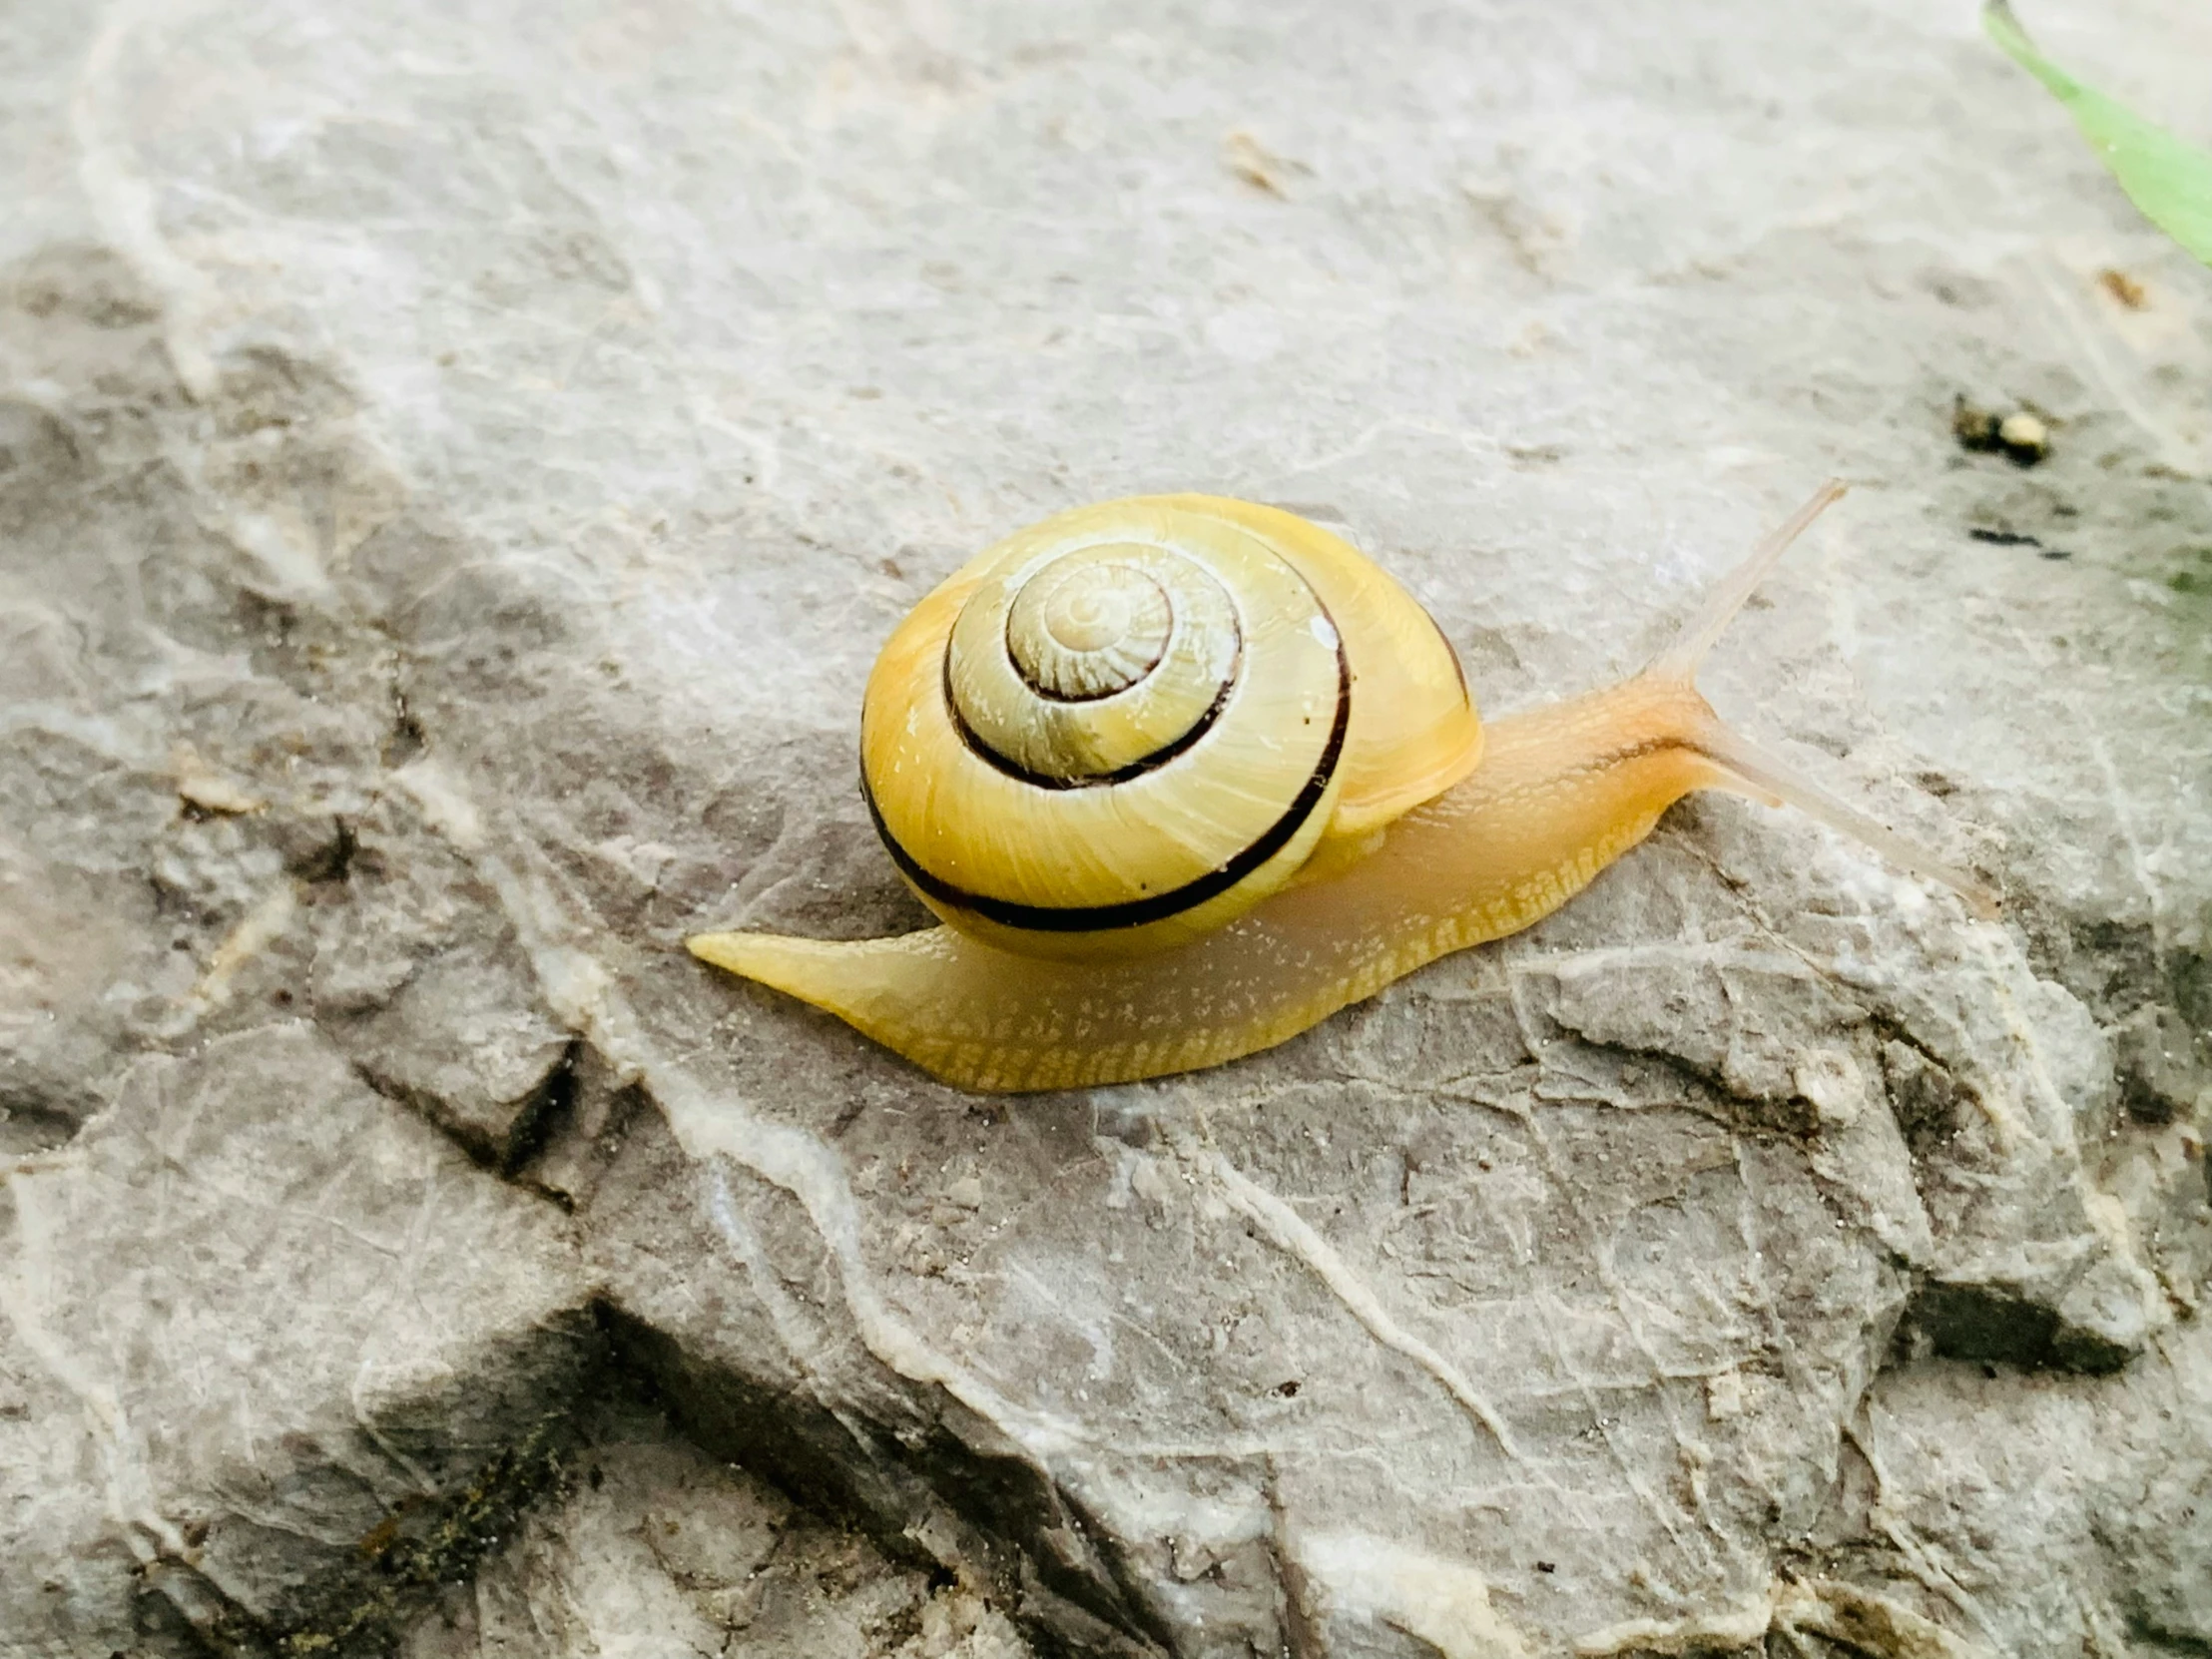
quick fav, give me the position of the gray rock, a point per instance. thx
(655, 1547)
(276, 1358)
(2086, 1519)
(2163, 1070)
(429, 995)
(456, 469)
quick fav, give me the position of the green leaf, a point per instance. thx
(2171, 180)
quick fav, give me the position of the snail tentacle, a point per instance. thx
(1763, 777)
(1702, 629)
(1774, 781)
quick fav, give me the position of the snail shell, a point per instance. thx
(1124, 726)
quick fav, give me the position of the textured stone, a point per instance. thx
(2163, 1070)
(2082, 1522)
(429, 995)
(274, 1350)
(457, 466)
(657, 1548)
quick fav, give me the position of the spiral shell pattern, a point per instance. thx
(1124, 725)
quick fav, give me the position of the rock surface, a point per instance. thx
(457, 466)
(657, 1548)
(273, 1355)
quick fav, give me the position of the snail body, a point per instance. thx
(1367, 824)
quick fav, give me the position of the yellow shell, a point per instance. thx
(1122, 728)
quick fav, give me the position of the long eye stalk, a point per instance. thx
(1763, 775)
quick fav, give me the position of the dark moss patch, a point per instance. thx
(411, 1553)
(1987, 1323)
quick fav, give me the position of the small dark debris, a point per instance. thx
(406, 739)
(1976, 428)
(319, 857)
(1935, 783)
(2123, 288)
(1548, 1566)
(2020, 436)
(597, 1477)
(1990, 1372)
(2012, 538)
(1289, 1391)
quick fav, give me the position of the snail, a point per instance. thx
(1184, 775)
